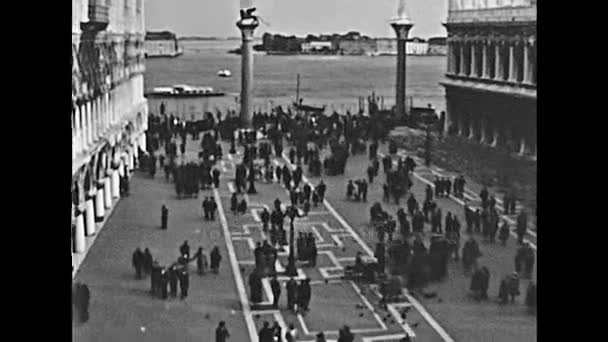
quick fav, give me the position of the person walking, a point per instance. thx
(276, 291)
(215, 260)
(164, 216)
(201, 261)
(184, 283)
(138, 261)
(221, 332)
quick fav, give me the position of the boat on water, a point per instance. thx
(183, 90)
(224, 73)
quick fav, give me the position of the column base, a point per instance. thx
(90, 218)
(79, 239)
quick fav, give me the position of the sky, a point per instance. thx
(217, 18)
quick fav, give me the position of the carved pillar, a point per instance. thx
(485, 70)
(471, 127)
(483, 127)
(462, 70)
(522, 147)
(79, 241)
(494, 138)
(473, 70)
(77, 131)
(528, 63)
(498, 62)
(512, 63)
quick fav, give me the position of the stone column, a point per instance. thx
(107, 191)
(485, 70)
(462, 71)
(498, 63)
(100, 212)
(494, 138)
(115, 184)
(460, 121)
(79, 241)
(473, 70)
(512, 64)
(528, 64)
(89, 123)
(483, 124)
(90, 214)
(471, 128)
(77, 131)
(522, 147)
(402, 27)
(247, 27)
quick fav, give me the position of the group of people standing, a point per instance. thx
(357, 190)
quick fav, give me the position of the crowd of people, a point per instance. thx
(164, 280)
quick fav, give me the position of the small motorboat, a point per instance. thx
(224, 73)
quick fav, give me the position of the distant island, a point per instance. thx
(351, 43)
(195, 38)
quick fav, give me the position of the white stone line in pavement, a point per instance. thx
(368, 304)
(459, 201)
(394, 337)
(243, 238)
(363, 245)
(238, 279)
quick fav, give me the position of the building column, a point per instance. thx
(512, 64)
(79, 241)
(494, 138)
(115, 184)
(460, 124)
(77, 144)
(90, 214)
(528, 65)
(100, 212)
(485, 70)
(107, 191)
(462, 71)
(483, 123)
(83, 124)
(473, 70)
(89, 122)
(522, 147)
(498, 70)
(471, 128)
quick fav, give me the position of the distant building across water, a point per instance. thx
(162, 44)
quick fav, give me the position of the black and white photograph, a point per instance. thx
(304, 170)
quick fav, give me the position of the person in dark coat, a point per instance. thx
(216, 178)
(172, 274)
(164, 280)
(164, 217)
(277, 331)
(83, 296)
(255, 287)
(304, 295)
(155, 278)
(522, 226)
(147, 261)
(531, 296)
(345, 335)
(201, 261)
(276, 291)
(221, 332)
(184, 249)
(503, 234)
(215, 259)
(184, 283)
(234, 202)
(138, 262)
(292, 293)
(266, 333)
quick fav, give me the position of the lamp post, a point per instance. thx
(247, 24)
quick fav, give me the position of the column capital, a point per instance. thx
(247, 26)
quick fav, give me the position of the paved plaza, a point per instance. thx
(122, 310)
